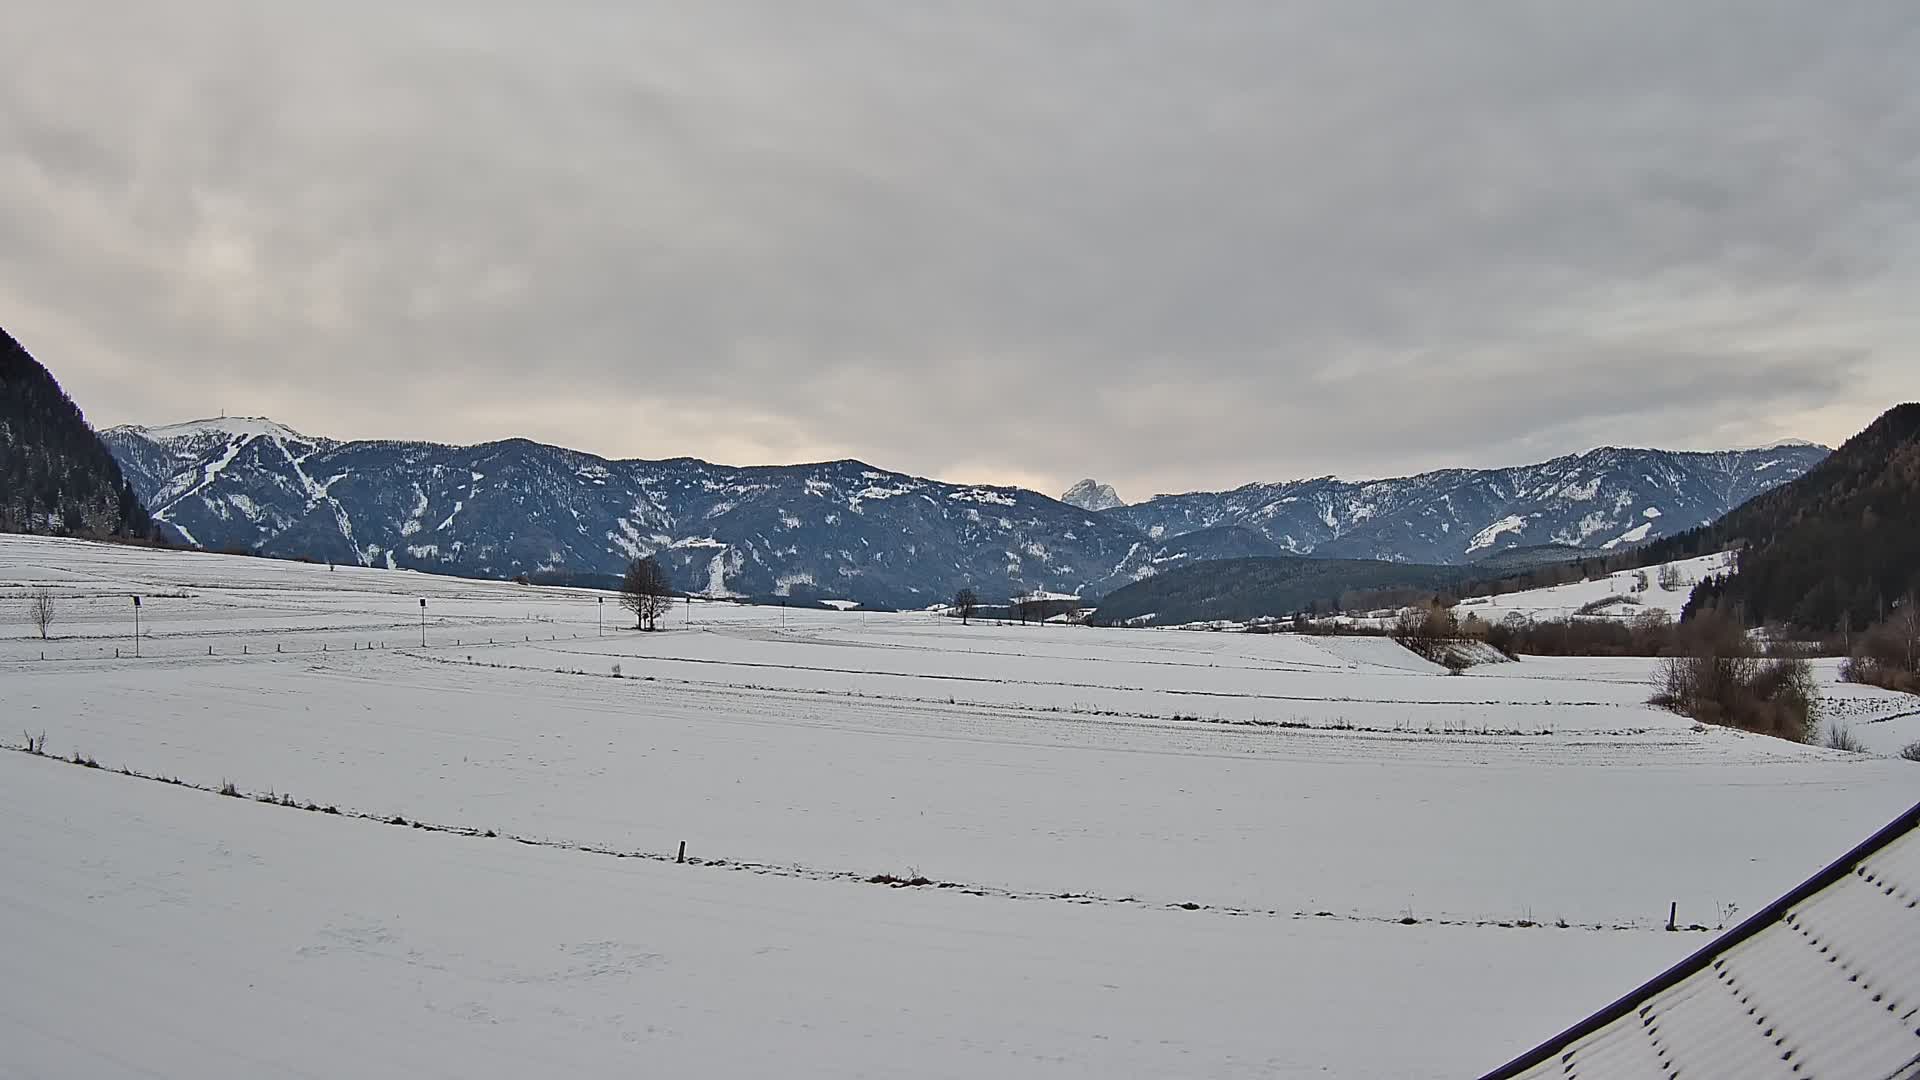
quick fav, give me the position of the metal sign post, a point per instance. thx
(136, 626)
(423, 622)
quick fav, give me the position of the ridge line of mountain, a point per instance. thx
(1783, 445)
(846, 529)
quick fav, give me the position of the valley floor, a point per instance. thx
(1162, 853)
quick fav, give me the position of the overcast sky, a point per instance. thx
(1172, 245)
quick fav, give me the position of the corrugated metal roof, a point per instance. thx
(1825, 982)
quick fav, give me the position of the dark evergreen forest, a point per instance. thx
(55, 475)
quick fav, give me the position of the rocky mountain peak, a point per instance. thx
(1090, 494)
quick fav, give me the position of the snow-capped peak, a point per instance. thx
(1089, 494)
(227, 426)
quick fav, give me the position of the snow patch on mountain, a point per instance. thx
(1512, 523)
(717, 575)
(983, 495)
(877, 492)
(783, 585)
(1631, 536)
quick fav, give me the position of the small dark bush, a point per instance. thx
(1841, 737)
(912, 880)
(1867, 671)
(1912, 751)
(229, 790)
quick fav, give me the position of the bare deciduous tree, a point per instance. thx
(966, 602)
(646, 592)
(1905, 627)
(40, 611)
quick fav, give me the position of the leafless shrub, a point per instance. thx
(1648, 633)
(1718, 680)
(1888, 656)
(1841, 737)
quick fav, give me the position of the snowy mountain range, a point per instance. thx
(838, 529)
(844, 529)
(1601, 499)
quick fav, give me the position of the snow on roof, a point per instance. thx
(1824, 982)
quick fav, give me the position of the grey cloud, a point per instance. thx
(1174, 246)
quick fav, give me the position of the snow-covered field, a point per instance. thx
(1131, 837)
(1619, 593)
